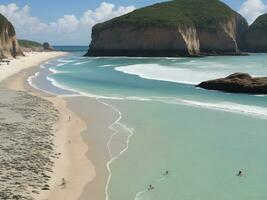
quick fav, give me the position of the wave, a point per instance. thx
(107, 66)
(42, 66)
(56, 71)
(170, 74)
(60, 64)
(115, 132)
(140, 195)
(78, 92)
(256, 111)
(80, 63)
(30, 80)
(65, 60)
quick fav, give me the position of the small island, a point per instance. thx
(237, 83)
(172, 28)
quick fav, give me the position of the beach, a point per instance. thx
(48, 134)
(111, 131)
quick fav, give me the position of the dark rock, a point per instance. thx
(48, 47)
(237, 83)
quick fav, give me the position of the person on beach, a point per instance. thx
(240, 173)
(151, 187)
(63, 184)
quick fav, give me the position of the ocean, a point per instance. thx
(202, 138)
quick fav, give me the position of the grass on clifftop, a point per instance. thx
(4, 23)
(29, 44)
(205, 14)
(260, 23)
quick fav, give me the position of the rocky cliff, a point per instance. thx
(9, 46)
(174, 28)
(256, 38)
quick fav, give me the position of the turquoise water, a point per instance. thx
(203, 138)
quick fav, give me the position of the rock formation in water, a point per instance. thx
(237, 83)
(174, 28)
(9, 46)
(256, 37)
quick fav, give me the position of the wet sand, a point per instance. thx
(98, 117)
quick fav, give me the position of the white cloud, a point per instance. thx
(251, 9)
(69, 29)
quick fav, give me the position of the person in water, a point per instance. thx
(240, 173)
(150, 187)
(166, 173)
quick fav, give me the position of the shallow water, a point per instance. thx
(202, 137)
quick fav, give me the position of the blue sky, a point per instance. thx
(50, 20)
(57, 8)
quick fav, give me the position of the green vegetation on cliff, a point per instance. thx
(5, 24)
(204, 14)
(29, 44)
(260, 23)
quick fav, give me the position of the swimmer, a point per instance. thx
(151, 187)
(240, 173)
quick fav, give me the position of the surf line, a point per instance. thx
(115, 132)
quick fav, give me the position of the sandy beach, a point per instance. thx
(66, 157)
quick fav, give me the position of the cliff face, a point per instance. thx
(175, 28)
(9, 46)
(256, 39)
(228, 37)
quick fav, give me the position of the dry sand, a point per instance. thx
(25, 62)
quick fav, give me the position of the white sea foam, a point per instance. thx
(78, 92)
(106, 66)
(189, 71)
(56, 71)
(256, 111)
(61, 64)
(171, 74)
(140, 195)
(65, 60)
(80, 63)
(115, 132)
(30, 80)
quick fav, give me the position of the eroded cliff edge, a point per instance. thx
(256, 37)
(174, 28)
(9, 46)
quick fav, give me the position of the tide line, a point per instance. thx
(115, 132)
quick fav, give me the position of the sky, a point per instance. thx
(69, 22)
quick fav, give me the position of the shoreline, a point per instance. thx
(67, 131)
